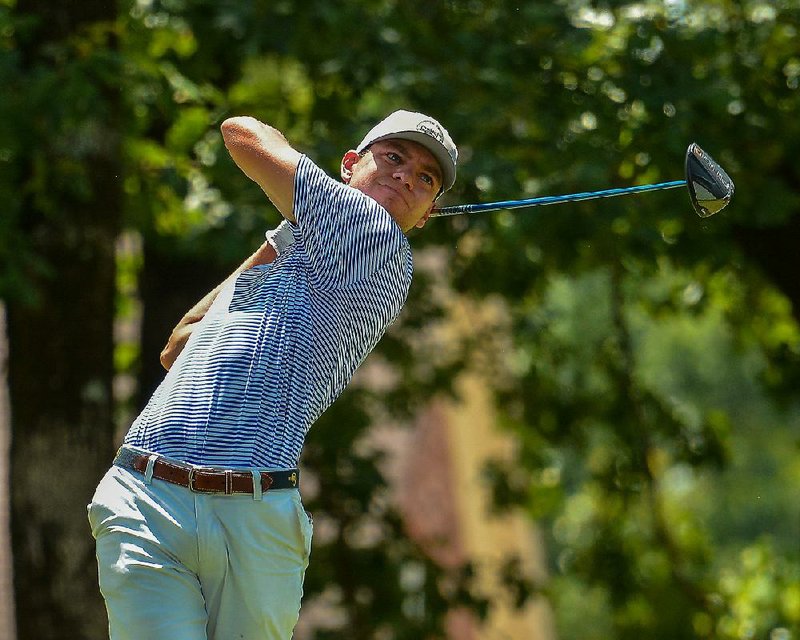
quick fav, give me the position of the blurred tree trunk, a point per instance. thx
(6, 575)
(61, 362)
(169, 285)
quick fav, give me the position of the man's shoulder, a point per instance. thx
(310, 177)
(315, 187)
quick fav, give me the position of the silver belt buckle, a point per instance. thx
(228, 481)
(192, 488)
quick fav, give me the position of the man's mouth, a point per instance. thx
(396, 191)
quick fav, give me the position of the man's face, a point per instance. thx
(400, 175)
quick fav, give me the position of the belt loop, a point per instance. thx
(256, 484)
(148, 472)
(228, 482)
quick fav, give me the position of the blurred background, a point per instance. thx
(583, 426)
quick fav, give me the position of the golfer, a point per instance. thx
(200, 529)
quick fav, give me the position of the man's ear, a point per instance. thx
(348, 162)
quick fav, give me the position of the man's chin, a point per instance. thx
(398, 212)
(392, 202)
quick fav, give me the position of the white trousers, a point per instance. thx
(178, 565)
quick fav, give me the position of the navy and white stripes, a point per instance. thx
(281, 342)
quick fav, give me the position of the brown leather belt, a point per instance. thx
(205, 480)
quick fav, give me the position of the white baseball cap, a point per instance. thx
(417, 127)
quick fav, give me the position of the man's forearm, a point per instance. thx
(266, 157)
(265, 254)
(183, 330)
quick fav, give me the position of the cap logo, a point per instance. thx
(432, 129)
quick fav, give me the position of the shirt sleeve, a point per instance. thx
(347, 236)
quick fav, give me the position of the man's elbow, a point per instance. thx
(172, 349)
(167, 357)
(239, 130)
(236, 123)
(177, 341)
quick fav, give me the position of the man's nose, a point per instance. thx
(404, 175)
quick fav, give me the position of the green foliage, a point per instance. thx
(651, 383)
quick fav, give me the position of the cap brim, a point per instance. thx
(438, 151)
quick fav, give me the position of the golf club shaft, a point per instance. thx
(544, 200)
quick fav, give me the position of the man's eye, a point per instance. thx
(393, 157)
(427, 179)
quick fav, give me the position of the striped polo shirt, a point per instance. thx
(281, 342)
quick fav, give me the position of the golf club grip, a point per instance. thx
(545, 200)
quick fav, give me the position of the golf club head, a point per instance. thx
(710, 188)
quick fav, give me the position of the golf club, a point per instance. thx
(710, 190)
